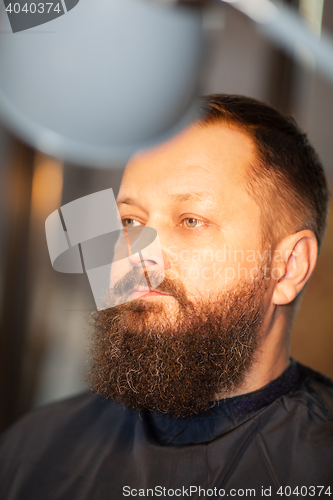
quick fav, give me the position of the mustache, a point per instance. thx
(138, 278)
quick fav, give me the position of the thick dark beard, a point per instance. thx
(144, 360)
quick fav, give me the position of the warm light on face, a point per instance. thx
(192, 191)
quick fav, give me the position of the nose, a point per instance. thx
(150, 256)
(137, 260)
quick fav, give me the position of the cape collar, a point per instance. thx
(223, 416)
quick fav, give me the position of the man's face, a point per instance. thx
(192, 191)
(175, 349)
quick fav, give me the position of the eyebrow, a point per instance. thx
(178, 197)
(190, 196)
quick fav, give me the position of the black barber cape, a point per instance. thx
(275, 442)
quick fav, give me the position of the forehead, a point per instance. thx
(203, 159)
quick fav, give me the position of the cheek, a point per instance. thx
(213, 261)
(215, 269)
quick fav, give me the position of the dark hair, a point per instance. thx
(286, 178)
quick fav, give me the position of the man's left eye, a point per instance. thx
(130, 223)
(191, 222)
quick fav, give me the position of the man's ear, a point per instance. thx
(293, 262)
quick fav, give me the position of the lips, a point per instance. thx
(141, 291)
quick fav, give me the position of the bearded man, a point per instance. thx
(193, 391)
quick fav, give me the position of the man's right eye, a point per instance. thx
(130, 223)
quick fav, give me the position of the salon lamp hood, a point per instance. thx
(100, 80)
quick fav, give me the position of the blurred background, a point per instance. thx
(45, 315)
